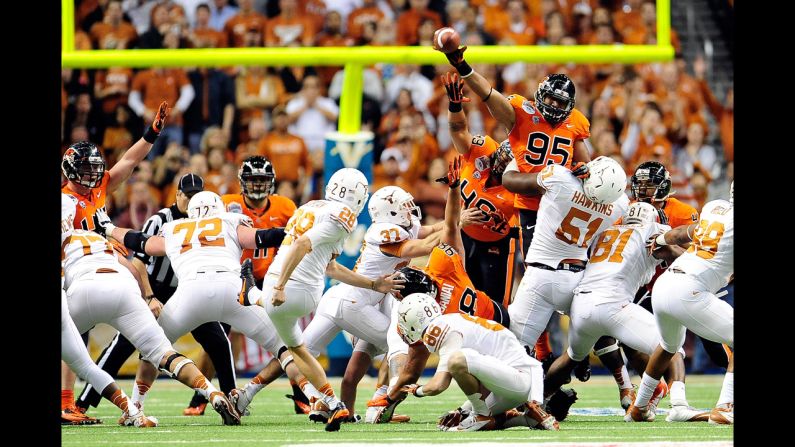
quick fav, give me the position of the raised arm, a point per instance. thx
(456, 118)
(138, 151)
(452, 210)
(498, 105)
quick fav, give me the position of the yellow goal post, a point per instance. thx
(354, 59)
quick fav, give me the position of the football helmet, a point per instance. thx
(348, 186)
(415, 313)
(205, 204)
(392, 204)
(83, 164)
(501, 157)
(640, 213)
(257, 177)
(607, 180)
(561, 88)
(651, 175)
(417, 281)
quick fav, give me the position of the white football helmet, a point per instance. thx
(393, 204)
(607, 180)
(415, 313)
(348, 186)
(205, 204)
(640, 213)
(731, 194)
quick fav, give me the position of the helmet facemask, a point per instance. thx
(257, 187)
(90, 174)
(560, 88)
(650, 184)
(501, 158)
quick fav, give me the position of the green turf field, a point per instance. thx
(272, 421)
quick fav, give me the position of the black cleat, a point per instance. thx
(337, 415)
(300, 401)
(247, 274)
(547, 362)
(559, 403)
(583, 370)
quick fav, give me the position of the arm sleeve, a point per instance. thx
(135, 102)
(267, 238)
(451, 343)
(186, 95)
(631, 143)
(151, 228)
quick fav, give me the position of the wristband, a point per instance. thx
(464, 69)
(454, 107)
(151, 135)
(149, 298)
(278, 288)
(418, 392)
(660, 240)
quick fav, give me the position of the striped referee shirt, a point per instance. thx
(159, 267)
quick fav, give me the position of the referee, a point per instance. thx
(159, 284)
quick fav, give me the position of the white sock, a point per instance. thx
(139, 393)
(311, 391)
(678, 396)
(392, 383)
(251, 389)
(626, 381)
(204, 387)
(478, 405)
(254, 295)
(380, 391)
(466, 406)
(646, 389)
(727, 391)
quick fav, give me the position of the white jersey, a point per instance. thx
(204, 244)
(84, 252)
(380, 255)
(710, 257)
(484, 336)
(327, 224)
(567, 220)
(620, 262)
(68, 204)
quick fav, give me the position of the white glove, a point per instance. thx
(104, 222)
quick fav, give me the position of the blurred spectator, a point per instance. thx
(118, 137)
(287, 152)
(249, 147)
(245, 21)
(697, 155)
(215, 162)
(151, 87)
(189, 10)
(724, 114)
(402, 106)
(139, 12)
(141, 205)
(645, 139)
(112, 88)
(408, 77)
(373, 87)
(311, 116)
(472, 29)
(316, 11)
(81, 113)
(220, 12)
(455, 14)
(113, 33)
(518, 31)
(540, 20)
(627, 17)
(494, 16)
(582, 23)
(646, 32)
(390, 171)
(257, 89)
(169, 165)
(289, 27)
(160, 24)
(203, 35)
(214, 105)
(332, 36)
(554, 29)
(369, 12)
(215, 138)
(82, 41)
(430, 195)
(409, 21)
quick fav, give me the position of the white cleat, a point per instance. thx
(320, 411)
(240, 399)
(686, 413)
(371, 416)
(475, 422)
(723, 415)
(222, 406)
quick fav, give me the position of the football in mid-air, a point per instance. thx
(446, 39)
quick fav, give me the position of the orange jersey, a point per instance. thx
(535, 143)
(87, 205)
(456, 291)
(679, 213)
(276, 214)
(496, 201)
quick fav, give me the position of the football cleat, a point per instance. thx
(240, 400)
(225, 408)
(659, 392)
(558, 404)
(723, 415)
(583, 370)
(539, 419)
(626, 396)
(475, 422)
(354, 419)
(686, 413)
(195, 411)
(72, 416)
(139, 420)
(247, 274)
(640, 414)
(320, 411)
(384, 411)
(451, 419)
(300, 401)
(336, 416)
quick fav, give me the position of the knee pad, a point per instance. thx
(178, 368)
(286, 360)
(606, 350)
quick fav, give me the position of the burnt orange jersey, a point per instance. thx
(87, 205)
(275, 214)
(535, 143)
(456, 291)
(679, 213)
(496, 201)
